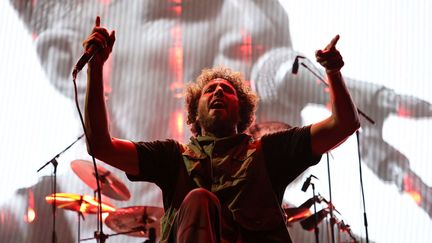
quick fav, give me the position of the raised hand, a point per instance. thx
(102, 39)
(330, 58)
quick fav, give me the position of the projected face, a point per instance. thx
(160, 45)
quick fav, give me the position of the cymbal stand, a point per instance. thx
(54, 162)
(80, 214)
(151, 235)
(346, 228)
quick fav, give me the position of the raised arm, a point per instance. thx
(116, 152)
(344, 120)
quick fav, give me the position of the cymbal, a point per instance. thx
(296, 214)
(260, 129)
(78, 203)
(110, 185)
(136, 220)
(312, 221)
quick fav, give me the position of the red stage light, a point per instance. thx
(30, 215)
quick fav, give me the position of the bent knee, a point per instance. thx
(201, 195)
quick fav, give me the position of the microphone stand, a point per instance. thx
(332, 219)
(326, 84)
(358, 150)
(304, 188)
(54, 162)
(315, 215)
(361, 186)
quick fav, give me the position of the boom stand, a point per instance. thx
(359, 156)
(315, 215)
(332, 219)
(54, 162)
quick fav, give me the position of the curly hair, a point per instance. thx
(247, 98)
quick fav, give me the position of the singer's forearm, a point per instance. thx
(343, 121)
(344, 112)
(116, 152)
(96, 115)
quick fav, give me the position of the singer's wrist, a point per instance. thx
(94, 63)
(334, 75)
(93, 67)
(333, 72)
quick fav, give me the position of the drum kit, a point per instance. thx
(136, 221)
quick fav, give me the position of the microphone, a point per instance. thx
(306, 184)
(295, 66)
(85, 58)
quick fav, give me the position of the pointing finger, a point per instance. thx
(97, 21)
(332, 43)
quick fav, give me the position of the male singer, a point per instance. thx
(222, 186)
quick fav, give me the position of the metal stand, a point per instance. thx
(54, 162)
(332, 219)
(358, 148)
(151, 239)
(327, 85)
(315, 215)
(361, 186)
(79, 225)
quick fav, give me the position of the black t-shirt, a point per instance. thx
(283, 157)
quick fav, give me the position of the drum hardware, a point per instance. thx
(80, 204)
(311, 222)
(54, 162)
(295, 214)
(138, 221)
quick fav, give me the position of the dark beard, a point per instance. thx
(214, 125)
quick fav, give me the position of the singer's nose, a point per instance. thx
(218, 91)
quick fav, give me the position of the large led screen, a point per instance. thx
(161, 45)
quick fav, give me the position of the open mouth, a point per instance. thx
(217, 105)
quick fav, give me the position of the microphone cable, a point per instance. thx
(99, 233)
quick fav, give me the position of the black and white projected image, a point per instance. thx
(162, 45)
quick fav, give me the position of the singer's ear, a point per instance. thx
(58, 49)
